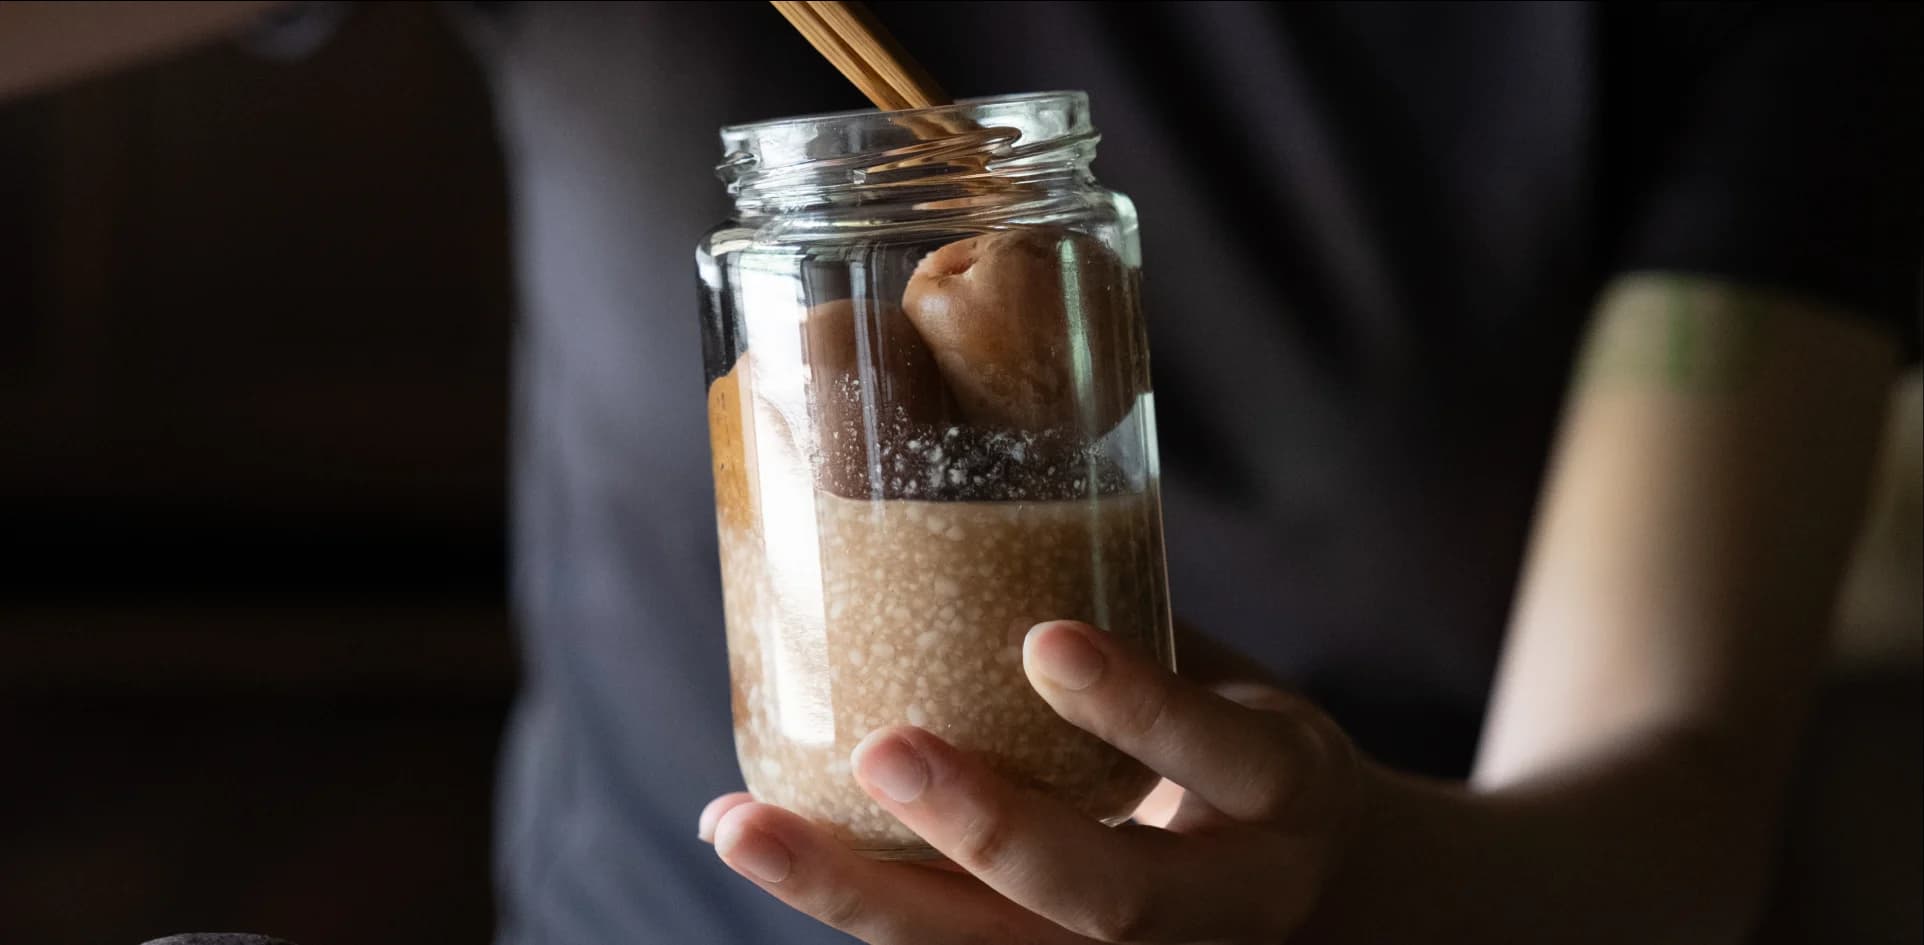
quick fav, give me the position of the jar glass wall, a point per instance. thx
(932, 427)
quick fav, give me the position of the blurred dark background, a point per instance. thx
(254, 319)
(253, 353)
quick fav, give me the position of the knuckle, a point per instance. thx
(1308, 756)
(984, 842)
(1142, 713)
(1123, 918)
(1323, 750)
(842, 907)
(1338, 754)
(1272, 793)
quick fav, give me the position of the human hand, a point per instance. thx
(1270, 787)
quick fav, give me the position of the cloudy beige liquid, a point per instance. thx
(855, 614)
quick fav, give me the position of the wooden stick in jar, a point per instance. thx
(852, 40)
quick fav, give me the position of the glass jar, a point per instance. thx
(932, 428)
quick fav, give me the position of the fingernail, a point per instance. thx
(1064, 656)
(892, 766)
(710, 816)
(1254, 696)
(753, 852)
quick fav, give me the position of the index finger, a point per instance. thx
(1128, 884)
(1258, 766)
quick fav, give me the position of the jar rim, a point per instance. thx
(961, 107)
(995, 148)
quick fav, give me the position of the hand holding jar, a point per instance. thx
(1272, 789)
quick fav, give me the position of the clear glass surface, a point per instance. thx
(932, 427)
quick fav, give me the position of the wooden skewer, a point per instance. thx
(829, 43)
(851, 39)
(859, 28)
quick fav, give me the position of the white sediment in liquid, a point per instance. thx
(868, 613)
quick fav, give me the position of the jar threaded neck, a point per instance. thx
(975, 154)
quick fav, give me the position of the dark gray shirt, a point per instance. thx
(1371, 235)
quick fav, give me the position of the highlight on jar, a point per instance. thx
(932, 428)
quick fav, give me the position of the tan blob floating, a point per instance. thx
(1031, 330)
